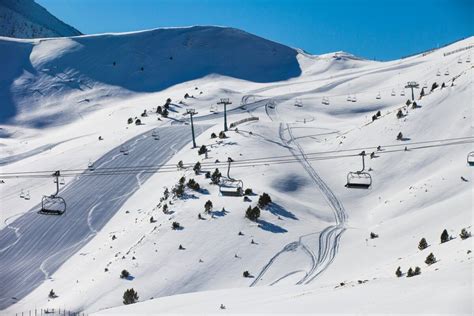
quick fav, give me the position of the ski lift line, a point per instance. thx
(236, 164)
(467, 139)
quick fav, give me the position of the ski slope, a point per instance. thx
(310, 239)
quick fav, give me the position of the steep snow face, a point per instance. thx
(27, 19)
(55, 75)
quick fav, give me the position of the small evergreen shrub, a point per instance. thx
(252, 213)
(202, 150)
(124, 274)
(130, 296)
(430, 259)
(422, 244)
(464, 234)
(208, 206)
(175, 226)
(264, 200)
(445, 236)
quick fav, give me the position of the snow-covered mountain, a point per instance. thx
(304, 121)
(27, 19)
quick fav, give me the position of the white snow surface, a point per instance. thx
(311, 252)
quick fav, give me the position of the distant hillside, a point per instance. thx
(27, 19)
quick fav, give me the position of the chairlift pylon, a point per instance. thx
(470, 158)
(230, 186)
(359, 179)
(53, 204)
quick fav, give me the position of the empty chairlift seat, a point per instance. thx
(231, 187)
(359, 180)
(470, 158)
(53, 204)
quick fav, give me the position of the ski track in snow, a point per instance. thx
(42, 243)
(328, 240)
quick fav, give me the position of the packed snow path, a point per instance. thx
(34, 246)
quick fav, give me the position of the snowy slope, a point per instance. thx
(27, 19)
(313, 236)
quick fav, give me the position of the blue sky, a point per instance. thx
(382, 29)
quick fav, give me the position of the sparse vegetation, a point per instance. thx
(197, 167)
(464, 234)
(175, 226)
(445, 236)
(412, 272)
(399, 272)
(430, 259)
(246, 274)
(202, 150)
(208, 206)
(124, 274)
(52, 294)
(216, 176)
(130, 296)
(373, 235)
(252, 213)
(264, 200)
(422, 244)
(193, 185)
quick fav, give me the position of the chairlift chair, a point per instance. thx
(213, 109)
(393, 93)
(468, 59)
(349, 98)
(446, 73)
(359, 179)
(354, 99)
(62, 181)
(438, 73)
(90, 166)
(298, 103)
(230, 186)
(22, 194)
(378, 97)
(155, 135)
(325, 101)
(425, 85)
(459, 60)
(27, 196)
(402, 93)
(53, 204)
(470, 158)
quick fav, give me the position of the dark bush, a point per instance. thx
(464, 234)
(216, 176)
(130, 120)
(175, 225)
(193, 185)
(264, 200)
(399, 272)
(130, 296)
(138, 122)
(208, 206)
(246, 274)
(445, 236)
(197, 167)
(430, 259)
(422, 244)
(124, 274)
(202, 150)
(248, 191)
(213, 135)
(252, 213)
(434, 86)
(222, 135)
(373, 235)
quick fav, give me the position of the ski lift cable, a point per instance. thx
(224, 163)
(236, 164)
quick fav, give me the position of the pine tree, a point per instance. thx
(246, 274)
(130, 296)
(464, 234)
(124, 274)
(216, 176)
(208, 206)
(417, 271)
(444, 236)
(197, 167)
(264, 200)
(430, 259)
(252, 213)
(408, 101)
(422, 93)
(52, 294)
(399, 272)
(130, 120)
(175, 226)
(410, 273)
(202, 150)
(422, 244)
(400, 136)
(165, 113)
(180, 164)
